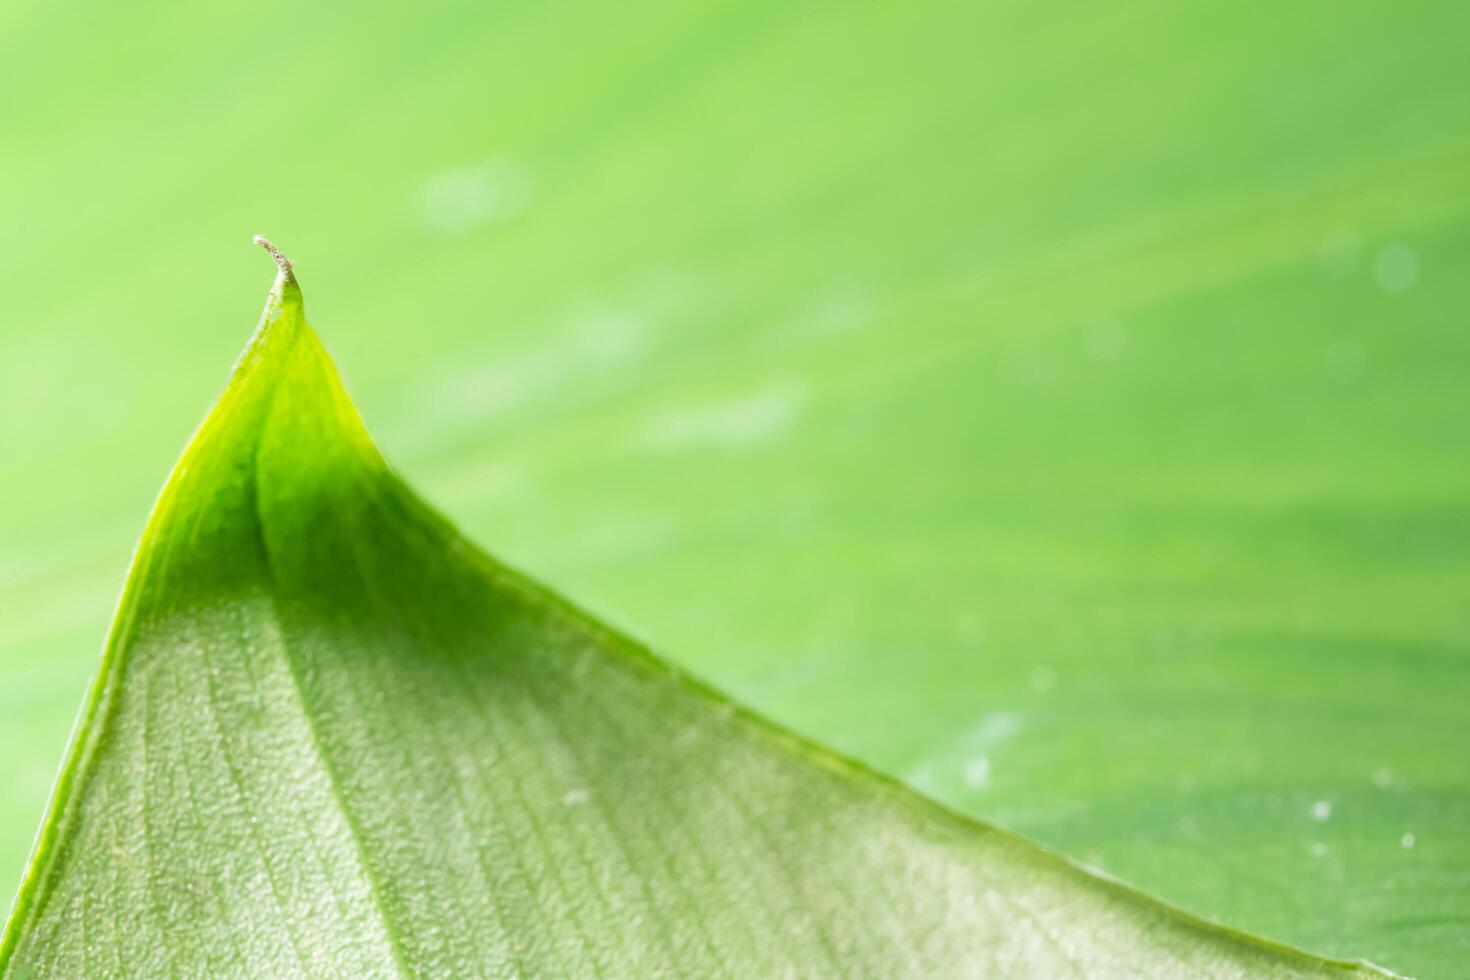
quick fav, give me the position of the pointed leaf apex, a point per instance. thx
(276, 254)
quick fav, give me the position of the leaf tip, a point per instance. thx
(276, 254)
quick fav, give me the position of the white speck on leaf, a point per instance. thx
(994, 729)
(969, 629)
(459, 199)
(1321, 810)
(1396, 268)
(752, 418)
(840, 310)
(1108, 339)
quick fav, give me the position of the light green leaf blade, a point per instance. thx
(1055, 353)
(329, 737)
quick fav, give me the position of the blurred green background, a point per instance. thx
(1064, 407)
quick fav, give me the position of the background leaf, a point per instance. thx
(1093, 376)
(330, 738)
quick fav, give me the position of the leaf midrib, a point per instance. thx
(391, 936)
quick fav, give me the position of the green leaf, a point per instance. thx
(330, 737)
(1058, 356)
